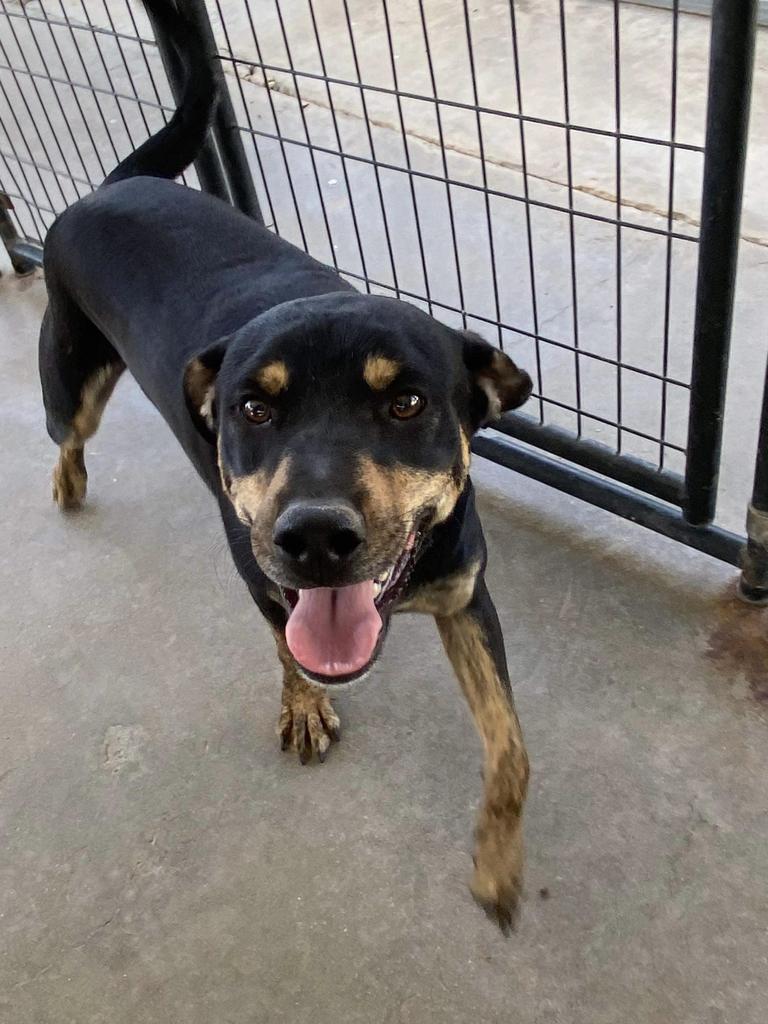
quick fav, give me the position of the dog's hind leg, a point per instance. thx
(475, 646)
(78, 372)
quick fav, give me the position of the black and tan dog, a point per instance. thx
(333, 428)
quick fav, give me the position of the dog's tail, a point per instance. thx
(171, 150)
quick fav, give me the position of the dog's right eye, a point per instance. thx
(255, 411)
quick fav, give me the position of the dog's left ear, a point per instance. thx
(200, 388)
(497, 383)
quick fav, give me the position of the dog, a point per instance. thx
(333, 428)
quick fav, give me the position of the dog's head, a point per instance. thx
(343, 425)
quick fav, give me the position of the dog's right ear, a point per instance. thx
(200, 388)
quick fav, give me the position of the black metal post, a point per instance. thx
(208, 165)
(228, 136)
(11, 240)
(753, 586)
(730, 75)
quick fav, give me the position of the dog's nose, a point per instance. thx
(319, 535)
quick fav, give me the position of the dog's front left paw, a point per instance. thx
(308, 724)
(497, 882)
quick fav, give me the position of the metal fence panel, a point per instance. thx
(80, 85)
(470, 200)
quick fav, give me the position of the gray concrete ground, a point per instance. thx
(162, 861)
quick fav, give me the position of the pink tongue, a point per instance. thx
(332, 631)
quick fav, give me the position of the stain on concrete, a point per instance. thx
(739, 643)
(122, 749)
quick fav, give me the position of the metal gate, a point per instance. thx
(414, 146)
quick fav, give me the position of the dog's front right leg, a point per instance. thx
(308, 724)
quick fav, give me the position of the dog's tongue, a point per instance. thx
(332, 631)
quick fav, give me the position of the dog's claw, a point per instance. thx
(504, 911)
(503, 916)
(499, 894)
(307, 723)
(334, 731)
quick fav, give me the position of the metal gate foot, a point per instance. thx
(753, 584)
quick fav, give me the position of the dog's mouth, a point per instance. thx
(335, 633)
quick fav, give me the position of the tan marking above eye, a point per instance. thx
(273, 378)
(380, 371)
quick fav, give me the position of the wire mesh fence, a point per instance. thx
(471, 184)
(531, 170)
(418, 148)
(81, 85)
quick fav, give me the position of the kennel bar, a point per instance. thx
(626, 469)
(732, 51)
(229, 140)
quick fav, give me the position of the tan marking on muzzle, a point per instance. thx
(380, 371)
(393, 500)
(254, 496)
(273, 378)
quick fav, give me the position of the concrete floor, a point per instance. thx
(162, 861)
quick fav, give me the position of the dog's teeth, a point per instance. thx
(376, 588)
(383, 576)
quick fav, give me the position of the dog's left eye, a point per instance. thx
(406, 406)
(255, 411)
